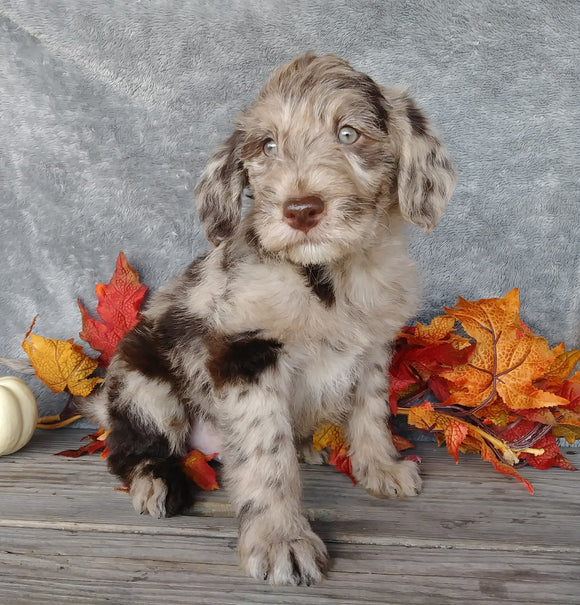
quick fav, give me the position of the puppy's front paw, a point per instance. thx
(300, 559)
(160, 496)
(400, 478)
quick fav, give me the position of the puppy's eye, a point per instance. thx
(347, 135)
(270, 148)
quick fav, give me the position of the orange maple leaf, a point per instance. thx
(440, 329)
(508, 357)
(118, 307)
(196, 467)
(60, 364)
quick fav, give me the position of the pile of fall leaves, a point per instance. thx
(477, 378)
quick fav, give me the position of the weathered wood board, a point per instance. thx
(66, 536)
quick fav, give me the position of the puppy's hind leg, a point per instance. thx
(146, 443)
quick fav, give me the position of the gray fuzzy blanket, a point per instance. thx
(109, 109)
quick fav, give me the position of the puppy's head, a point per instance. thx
(329, 155)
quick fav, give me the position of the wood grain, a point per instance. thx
(67, 536)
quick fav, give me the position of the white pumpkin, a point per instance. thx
(18, 414)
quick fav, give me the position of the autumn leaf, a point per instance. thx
(508, 357)
(118, 308)
(470, 438)
(331, 435)
(328, 435)
(551, 455)
(196, 467)
(489, 456)
(455, 433)
(439, 330)
(570, 433)
(422, 355)
(570, 391)
(60, 364)
(563, 364)
(96, 444)
(508, 402)
(401, 443)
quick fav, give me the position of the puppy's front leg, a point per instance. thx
(375, 460)
(262, 474)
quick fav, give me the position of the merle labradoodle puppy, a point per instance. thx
(288, 321)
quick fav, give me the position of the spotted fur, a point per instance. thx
(276, 329)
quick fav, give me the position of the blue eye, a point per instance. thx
(347, 135)
(270, 148)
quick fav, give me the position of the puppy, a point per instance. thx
(288, 321)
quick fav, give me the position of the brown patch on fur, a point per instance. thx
(141, 351)
(320, 283)
(219, 191)
(240, 358)
(418, 121)
(147, 348)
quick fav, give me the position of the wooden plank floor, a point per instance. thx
(473, 536)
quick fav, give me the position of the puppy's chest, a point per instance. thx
(324, 370)
(333, 316)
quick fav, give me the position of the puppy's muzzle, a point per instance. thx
(303, 214)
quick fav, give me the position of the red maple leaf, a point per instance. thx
(118, 307)
(96, 444)
(422, 354)
(551, 456)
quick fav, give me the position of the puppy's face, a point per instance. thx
(319, 160)
(328, 155)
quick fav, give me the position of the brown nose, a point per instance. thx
(304, 213)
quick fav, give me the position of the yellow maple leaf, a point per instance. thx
(60, 364)
(495, 412)
(508, 357)
(563, 364)
(328, 435)
(569, 432)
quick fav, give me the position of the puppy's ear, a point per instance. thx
(218, 193)
(426, 176)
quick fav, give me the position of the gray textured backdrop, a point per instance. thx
(108, 111)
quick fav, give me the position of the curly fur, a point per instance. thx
(277, 329)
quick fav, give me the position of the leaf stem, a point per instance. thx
(54, 422)
(510, 455)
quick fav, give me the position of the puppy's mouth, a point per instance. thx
(319, 245)
(314, 230)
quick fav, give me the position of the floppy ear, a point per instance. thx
(218, 193)
(426, 176)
